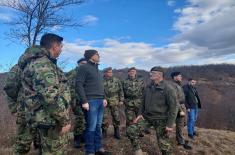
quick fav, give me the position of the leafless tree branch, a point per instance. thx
(36, 16)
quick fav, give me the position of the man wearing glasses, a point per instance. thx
(90, 88)
(159, 110)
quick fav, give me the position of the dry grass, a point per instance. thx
(209, 142)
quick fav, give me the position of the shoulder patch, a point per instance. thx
(49, 77)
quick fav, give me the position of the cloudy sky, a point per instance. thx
(142, 33)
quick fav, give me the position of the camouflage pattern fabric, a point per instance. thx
(131, 113)
(133, 94)
(79, 125)
(13, 83)
(180, 124)
(180, 120)
(114, 94)
(163, 139)
(45, 97)
(24, 137)
(53, 143)
(25, 134)
(114, 112)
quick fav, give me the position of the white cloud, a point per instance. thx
(142, 55)
(206, 35)
(89, 19)
(209, 25)
(171, 3)
(5, 17)
(56, 28)
(201, 11)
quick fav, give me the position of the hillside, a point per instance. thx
(216, 85)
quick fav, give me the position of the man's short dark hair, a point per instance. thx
(132, 68)
(48, 39)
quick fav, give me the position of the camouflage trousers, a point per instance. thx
(159, 125)
(131, 114)
(79, 125)
(114, 111)
(180, 124)
(52, 142)
(25, 135)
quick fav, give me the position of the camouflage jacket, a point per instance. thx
(179, 92)
(113, 90)
(133, 88)
(44, 87)
(12, 87)
(71, 75)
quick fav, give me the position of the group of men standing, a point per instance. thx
(44, 96)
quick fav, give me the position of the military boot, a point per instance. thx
(77, 141)
(147, 131)
(104, 133)
(117, 133)
(38, 148)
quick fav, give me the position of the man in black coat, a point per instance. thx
(90, 89)
(192, 103)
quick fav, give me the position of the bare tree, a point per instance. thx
(37, 16)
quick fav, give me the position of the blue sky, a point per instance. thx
(141, 33)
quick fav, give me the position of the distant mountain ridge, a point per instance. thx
(216, 86)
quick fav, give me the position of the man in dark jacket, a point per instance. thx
(159, 110)
(90, 88)
(192, 103)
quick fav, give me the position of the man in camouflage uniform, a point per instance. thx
(133, 95)
(114, 95)
(79, 125)
(45, 95)
(24, 134)
(181, 115)
(159, 110)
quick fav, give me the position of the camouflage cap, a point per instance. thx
(158, 68)
(107, 69)
(132, 68)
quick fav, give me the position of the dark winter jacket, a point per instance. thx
(192, 99)
(160, 103)
(89, 82)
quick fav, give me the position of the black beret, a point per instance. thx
(107, 69)
(132, 68)
(173, 74)
(158, 68)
